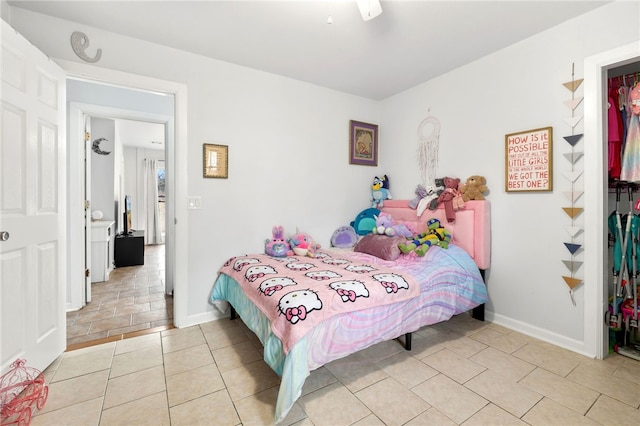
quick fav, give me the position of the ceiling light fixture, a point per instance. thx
(369, 9)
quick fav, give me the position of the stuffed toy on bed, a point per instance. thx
(380, 191)
(386, 226)
(303, 244)
(278, 246)
(435, 235)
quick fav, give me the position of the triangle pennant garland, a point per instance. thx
(571, 282)
(573, 85)
(573, 196)
(572, 212)
(573, 103)
(573, 248)
(572, 121)
(572, 265)
(573, 174)
(573, 157)
(573, 230)
(573, 139)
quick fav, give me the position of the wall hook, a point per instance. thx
(79, 42)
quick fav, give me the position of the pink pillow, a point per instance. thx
(380, 246)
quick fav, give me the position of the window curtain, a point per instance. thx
(153, 228)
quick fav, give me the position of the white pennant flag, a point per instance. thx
(573, 121)
(573, 176)
(573, 196)
(573, 103)
(573, 230)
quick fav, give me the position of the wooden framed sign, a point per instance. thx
(529, 160)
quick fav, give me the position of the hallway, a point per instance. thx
(131, 302)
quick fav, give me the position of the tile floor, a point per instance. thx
(459, 372)
(132, 300)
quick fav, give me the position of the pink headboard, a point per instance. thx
(471, 229)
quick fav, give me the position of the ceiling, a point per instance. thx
(140, 134)
(409, 43)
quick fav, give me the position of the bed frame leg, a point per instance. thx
(233, 313)
(478, 311)
(407, 341)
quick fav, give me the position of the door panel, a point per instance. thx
(32, 204)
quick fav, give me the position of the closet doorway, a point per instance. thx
(596, 212)
(622, 135)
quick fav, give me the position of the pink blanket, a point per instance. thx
(297, 293)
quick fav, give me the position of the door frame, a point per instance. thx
(176, 216)
(596, 336)
(77, 113)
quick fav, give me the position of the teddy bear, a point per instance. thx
(450, 198)
(474, 188)
(435, 235)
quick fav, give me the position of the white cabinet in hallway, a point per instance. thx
(102, 236)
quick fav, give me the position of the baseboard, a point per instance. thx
(539, 333)
(202, 318)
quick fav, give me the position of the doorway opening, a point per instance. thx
(137, 297)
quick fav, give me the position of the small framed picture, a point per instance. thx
(363, 143)
(215, 161)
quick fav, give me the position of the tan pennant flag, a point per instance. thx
(572, 212)
(571, 282)
(573, 85)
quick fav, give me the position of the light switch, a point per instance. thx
(194, 202)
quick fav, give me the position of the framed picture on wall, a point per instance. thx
(215, 161)
(363, 143)
(529, 160)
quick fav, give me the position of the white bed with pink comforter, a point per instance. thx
(448, 281)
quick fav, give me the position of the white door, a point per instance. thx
(32, 205)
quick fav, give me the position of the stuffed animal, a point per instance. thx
(365, 221)
(474, 188)
(303, 244)
(447, 198)
(435, 235)
(344, 237)
(421, 192)
(380, 191)
(437, 189)
(385, 226)
(278, 246)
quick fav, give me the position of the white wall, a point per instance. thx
(102, 168)
(288, 153)
(517, 88)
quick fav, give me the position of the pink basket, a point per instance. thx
(20, 388)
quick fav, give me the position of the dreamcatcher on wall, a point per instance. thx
(428, 145)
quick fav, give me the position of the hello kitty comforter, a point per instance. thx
(297, 293)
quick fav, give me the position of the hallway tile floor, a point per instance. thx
(132, 300)
(459, 372)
